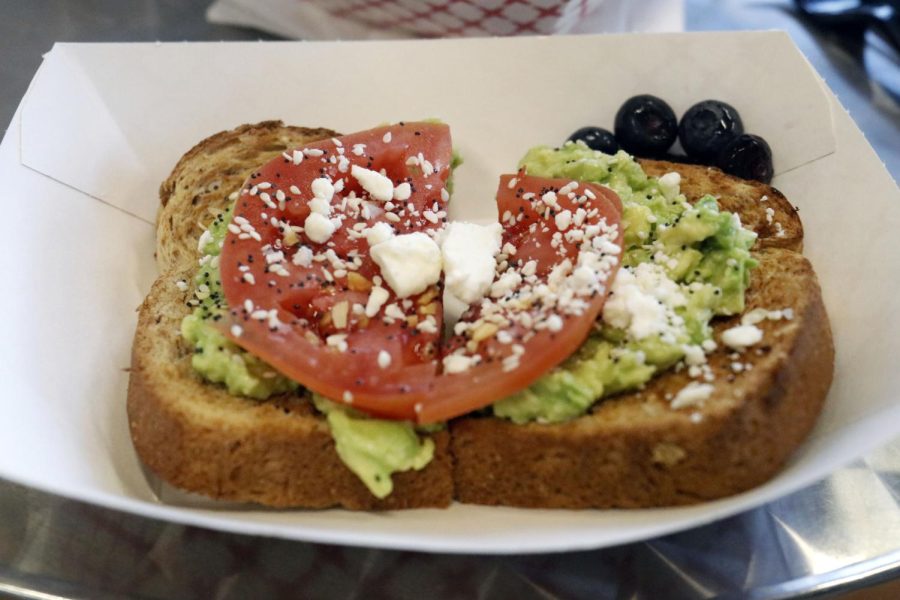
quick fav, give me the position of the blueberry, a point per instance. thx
(747, 156)
(707, 126)
(646, 126)
(596, 138)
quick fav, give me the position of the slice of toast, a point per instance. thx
(632, 450)
(195, 435)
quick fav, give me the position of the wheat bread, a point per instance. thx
(631, 450)
(195, 435)
(762, 208)
(199, 185)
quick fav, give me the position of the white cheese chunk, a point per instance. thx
(669, 184)
(554, 323)
(642, 302)
(322, 188)
(318, 228)
(402, 192)
(303, 257)
(205, 238)
(379, 232)
(409, 262)
(505, 284)
(693, 355)
(742, 336)
(377, 297)
(320, 206)
(468, 252)
(378, 186)
(692, 394)
(563, 220)
(457, 363)
(393, 311)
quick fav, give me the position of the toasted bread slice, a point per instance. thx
(634, 450)
(195, 435)
(199, 186)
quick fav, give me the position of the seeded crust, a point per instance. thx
(207, 174)
(630, 451)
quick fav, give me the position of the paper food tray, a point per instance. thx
(103, 124)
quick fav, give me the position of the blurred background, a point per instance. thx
(805, 545)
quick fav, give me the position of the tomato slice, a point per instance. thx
(567, 238)
(299, 277)
(298, 298)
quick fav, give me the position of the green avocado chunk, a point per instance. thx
(683, 264)
(374, 449)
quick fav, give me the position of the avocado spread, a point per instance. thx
(374, 448)
(683, 264)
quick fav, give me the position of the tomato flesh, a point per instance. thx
(288, 310)
(304, 305)
(514, 357)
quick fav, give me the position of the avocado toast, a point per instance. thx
(631, 450)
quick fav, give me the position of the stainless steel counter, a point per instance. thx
(841, 533)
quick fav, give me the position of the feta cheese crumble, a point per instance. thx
(741, 337)
(691, 395)
(643, 303)
(318, 228)
(409, 262)
(378, 186)
(468, 254)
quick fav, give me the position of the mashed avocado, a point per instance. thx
(682, 265)
(373, 448)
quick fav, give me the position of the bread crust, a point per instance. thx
(632, 450)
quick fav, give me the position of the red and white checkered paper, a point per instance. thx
(392, 19)
(454, 18)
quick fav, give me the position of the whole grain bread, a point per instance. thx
(201, 182)
(631, 450)
(195, 435)
(761, 207)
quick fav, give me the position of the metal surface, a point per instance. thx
(839, 534)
